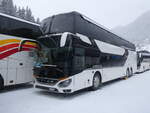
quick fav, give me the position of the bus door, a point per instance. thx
(22, 71)
(25, 66)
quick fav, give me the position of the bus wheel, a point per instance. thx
(127, 74)
(96, 82)
(131, 72)
(1, 83)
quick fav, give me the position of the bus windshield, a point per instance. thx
(52, 54)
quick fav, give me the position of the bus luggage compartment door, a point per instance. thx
(12, 71)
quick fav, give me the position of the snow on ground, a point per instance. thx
(123, 96)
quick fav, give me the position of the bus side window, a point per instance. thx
(78, 60)
(92, 57)
(108, 60)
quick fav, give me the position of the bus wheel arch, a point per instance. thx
(1, 82)
(97, 72)
(97, 81)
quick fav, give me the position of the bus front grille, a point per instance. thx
(47, 81)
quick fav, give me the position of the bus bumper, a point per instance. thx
(55, 88)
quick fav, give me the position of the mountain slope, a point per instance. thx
(138, 31)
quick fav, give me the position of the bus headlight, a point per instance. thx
(65, 83)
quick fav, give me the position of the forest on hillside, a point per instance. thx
(8, 7)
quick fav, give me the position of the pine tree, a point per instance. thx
(38, 20)
(18, 12)
(15, 10)
(22, 13)
(28, 14)
(1, 8)
(33, 19)
(8, 7)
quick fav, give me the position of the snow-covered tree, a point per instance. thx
(7, 7)
(1, 8)
(22, 13)
(38, 20)
(29, 15)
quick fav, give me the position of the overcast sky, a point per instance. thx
(110, 13)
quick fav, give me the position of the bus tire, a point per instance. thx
(1, 83)
(96, 83)
(131, 71)
(127, 73)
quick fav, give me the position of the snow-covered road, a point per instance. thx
(123, 96)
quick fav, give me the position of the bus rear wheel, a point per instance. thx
(127, 73)
(96, 82)
(131, 72)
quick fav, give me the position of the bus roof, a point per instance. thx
(75, 22)
(18, 19)
(14, 26)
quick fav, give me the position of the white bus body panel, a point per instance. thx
(3, 69)
(11, 72)
(16, 68)
(144, 67)
(24, 68)
(84, 79)
(112, 73)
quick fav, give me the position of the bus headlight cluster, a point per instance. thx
(65, 83)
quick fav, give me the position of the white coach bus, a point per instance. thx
(143, 61)
(15, 65)
(78, 53)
